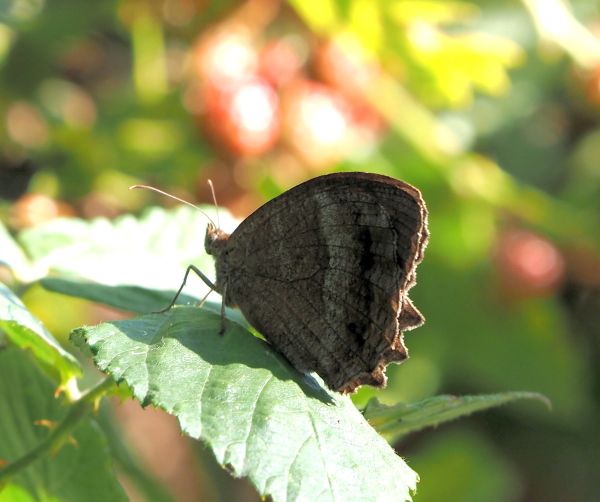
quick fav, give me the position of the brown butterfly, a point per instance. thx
(323, 272)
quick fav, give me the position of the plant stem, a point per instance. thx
(78, 410)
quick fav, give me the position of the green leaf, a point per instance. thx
(131, 298)
(128, 298)
(74, 473)
(27, 331)
(400, 419)
(321, 15)
(262, 419)
(441, 67)
(13, 256)
(446, 68)
(151, 251)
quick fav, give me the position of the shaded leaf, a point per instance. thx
(400, 419)
(74, 473)
(525, 345)
(27, 331)
(130, 298)
(262, 419)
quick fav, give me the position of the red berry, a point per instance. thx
(529, 265)
(33, 209)
(280, 61)
(317, 123)
(225, 57)
(243, 117)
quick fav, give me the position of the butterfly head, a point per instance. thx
(215, 244)
(215, 240)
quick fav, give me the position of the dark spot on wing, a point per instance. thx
(357, 329)
(367, 260)
(400, 259)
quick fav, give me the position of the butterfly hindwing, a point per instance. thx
(323, 271)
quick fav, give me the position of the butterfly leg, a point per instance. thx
(191, 268)
(203, 301)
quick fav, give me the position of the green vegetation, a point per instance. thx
(492, 109)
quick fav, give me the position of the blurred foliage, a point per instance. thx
(491, 108)
(26, 418)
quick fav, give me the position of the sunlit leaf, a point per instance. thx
(262, 419)
(12, 255)
(453, 66)
(435, 12)
(26, 331)
(365, 23)
(322, 15)
(151, 251)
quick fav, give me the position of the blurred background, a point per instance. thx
(491, 108)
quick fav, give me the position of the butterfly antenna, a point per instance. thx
(154, 189)
(212, 190)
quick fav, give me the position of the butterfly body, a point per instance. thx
(323, 272)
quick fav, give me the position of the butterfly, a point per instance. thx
(323, 273)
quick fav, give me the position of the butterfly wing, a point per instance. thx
(323, 271)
